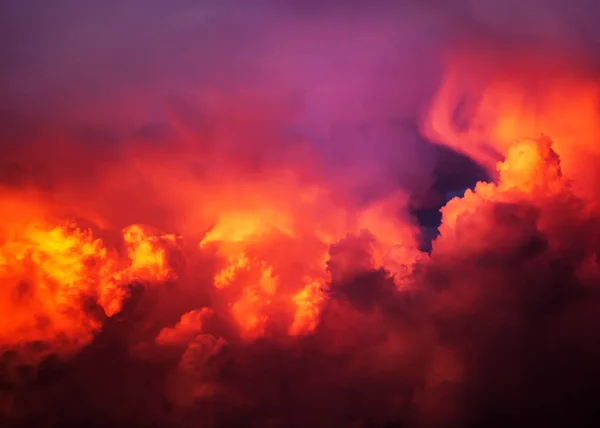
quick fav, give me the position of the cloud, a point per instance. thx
(206, 214)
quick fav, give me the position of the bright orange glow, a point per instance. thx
(46, 274)
(269, 243)
(149, 253)
(531, 167)
(496, 108)
(308, 302)
(248, 311)
(251, 309)
(227, 274)
(50, 274)
(238, 227)
(530, 176)
(269, 235)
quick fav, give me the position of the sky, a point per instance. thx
(267, 213)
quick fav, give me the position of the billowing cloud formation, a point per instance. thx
(205, 215)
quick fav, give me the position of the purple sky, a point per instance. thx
(352, 78)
